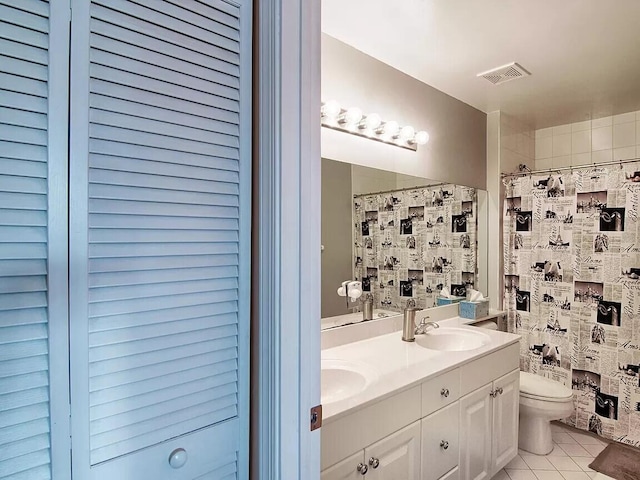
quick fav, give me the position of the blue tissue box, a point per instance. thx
(474, 310)
(447, 301)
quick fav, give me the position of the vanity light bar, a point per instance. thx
(352, 120)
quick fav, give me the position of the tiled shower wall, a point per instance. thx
(517, 143)
(593, 141)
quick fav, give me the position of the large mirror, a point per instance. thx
(403, 238)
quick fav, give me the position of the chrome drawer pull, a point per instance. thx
(444, 392)
(444, 444)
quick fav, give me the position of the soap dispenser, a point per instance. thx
(367, 307)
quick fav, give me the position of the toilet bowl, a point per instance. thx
(541, 401)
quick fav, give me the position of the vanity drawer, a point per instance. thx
(440, 391)
(365, 426)
(486, 369)
(440, 445)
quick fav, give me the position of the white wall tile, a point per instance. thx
(579, 126)
(602, 138)
(624, 135)
(544, 132)
(544, 147)
(602, 122)
(562, 144)
(562, 129)
(581, 141)
(624, 153)
(638, 132)
(543, 164)
(602, 156)
(638, 116)
(562, 161)
(581, 159)
(624, 118)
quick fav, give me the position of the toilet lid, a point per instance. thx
(536, 386)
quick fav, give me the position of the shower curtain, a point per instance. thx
(572, 289)
(410, 243)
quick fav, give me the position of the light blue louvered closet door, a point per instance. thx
(32, 255)
(159, 238)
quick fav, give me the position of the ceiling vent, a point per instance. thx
(503, 74)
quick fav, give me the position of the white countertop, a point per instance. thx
(355, 317)
(398, 365)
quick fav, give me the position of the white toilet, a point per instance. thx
(541, 401)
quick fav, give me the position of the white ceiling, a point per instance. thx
(584, 55)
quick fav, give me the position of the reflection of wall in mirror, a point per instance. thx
(336, 226)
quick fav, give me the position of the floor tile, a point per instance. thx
(548, 475)
(538, 462)
(594, 450)
(563, 437)
(521, 475)
(583, 463)
(575, 450)
(575, 475)
(585, 439)
(517, 464)
(557, 451)
(501, 475)
(599, 476)
(564, 463)
(557, 428)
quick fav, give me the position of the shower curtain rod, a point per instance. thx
(356, 195)
(526, 171)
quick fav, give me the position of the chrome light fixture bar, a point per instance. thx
(352, 120)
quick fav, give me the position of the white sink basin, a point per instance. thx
(341, 379)
(452, 339)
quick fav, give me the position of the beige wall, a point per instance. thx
(337, 235)
(456, 152)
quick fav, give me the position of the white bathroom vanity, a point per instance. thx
(442, 407)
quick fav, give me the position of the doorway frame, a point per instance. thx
(286, 251)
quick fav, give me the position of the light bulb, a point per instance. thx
(371, 121)
(353, 116)
(331, 109)
(421, 137)
(391, 128)
(407, 133)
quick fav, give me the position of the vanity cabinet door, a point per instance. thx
(396, 457)
(347, 469)
(440, 447)
(475, 434)
(505, 419)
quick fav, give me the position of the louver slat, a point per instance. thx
(113, 24)
(163, 224)
(24, 363)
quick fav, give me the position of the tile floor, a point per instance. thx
(572, 453)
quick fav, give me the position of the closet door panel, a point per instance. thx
(160, 166)
(24, 340)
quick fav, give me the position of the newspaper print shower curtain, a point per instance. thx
(411, 243)
(572, 289)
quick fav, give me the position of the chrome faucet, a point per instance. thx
(424, 325)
